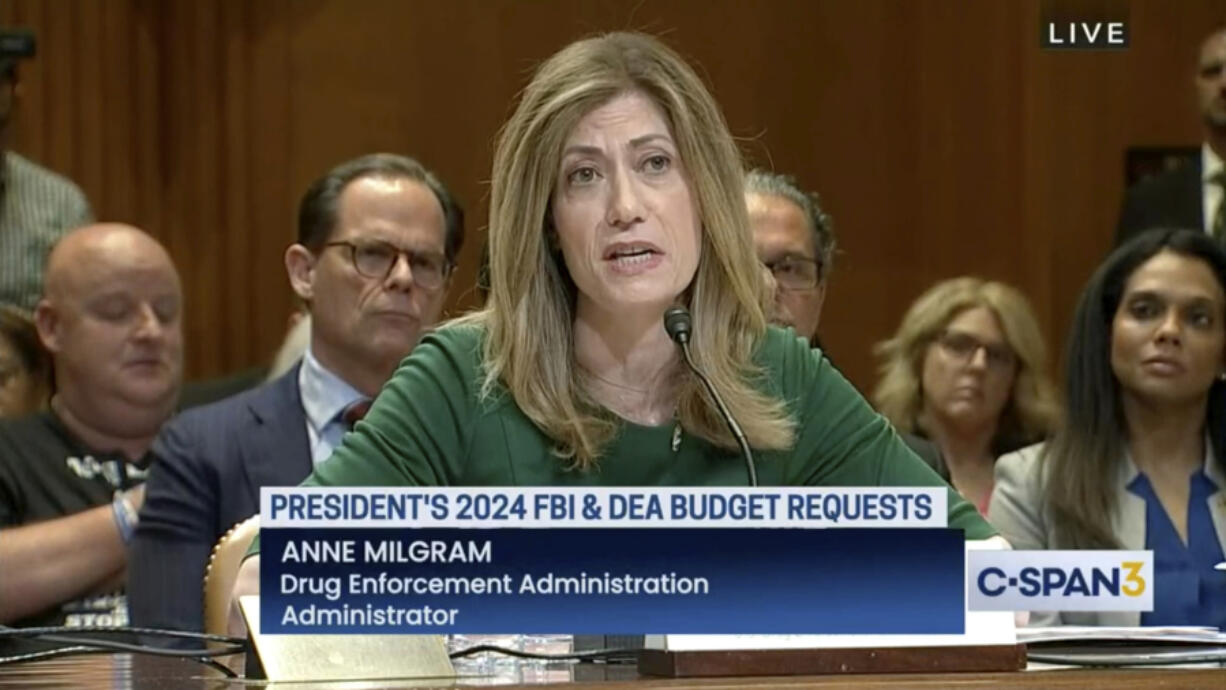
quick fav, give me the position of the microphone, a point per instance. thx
(679, 324)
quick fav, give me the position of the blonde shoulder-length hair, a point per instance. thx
(529, 316)
(1032, 411)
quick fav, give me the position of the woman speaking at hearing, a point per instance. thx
(617, 193)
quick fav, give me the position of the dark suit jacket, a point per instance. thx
(210, 463)
(1168, 200)
(200, 393)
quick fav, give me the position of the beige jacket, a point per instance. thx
(1015, 511)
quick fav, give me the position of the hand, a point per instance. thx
(248, 583)
(997, 543)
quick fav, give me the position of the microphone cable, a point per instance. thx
(86, 645)
(679, 324)
(609, 654)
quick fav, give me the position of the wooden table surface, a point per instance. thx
(127, 671)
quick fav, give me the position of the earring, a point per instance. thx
(1221, 376)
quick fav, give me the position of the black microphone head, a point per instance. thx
(678, 323)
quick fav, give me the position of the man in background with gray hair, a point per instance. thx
(795, 240)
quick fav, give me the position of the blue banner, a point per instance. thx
(612, 581)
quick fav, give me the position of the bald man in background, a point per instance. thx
(71, 477)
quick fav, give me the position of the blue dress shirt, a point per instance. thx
(1187, 588)
(324, 397)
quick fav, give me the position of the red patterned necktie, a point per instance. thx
(355, 412)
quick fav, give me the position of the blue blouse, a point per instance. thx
(1187, 588)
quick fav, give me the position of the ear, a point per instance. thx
(300, 267)
(47, 322)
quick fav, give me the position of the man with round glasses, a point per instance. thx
(378, 238)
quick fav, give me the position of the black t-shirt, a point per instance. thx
(46, 473)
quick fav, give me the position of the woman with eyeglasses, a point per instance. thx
(1141, 462)
(966, 369)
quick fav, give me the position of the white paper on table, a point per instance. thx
(982, 628)
(1085, 633)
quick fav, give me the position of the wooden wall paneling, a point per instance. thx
(1036, 245)
(234, 183)
(854, 102)
(942, 139)
(204, 231)
(86, 104)
(59, 134)
(272, 196)
(177, 174)
(38, 78)
(139, 83)
(119, 31)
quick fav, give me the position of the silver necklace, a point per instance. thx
(675, 443)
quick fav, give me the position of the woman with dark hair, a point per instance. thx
(25, 367)
(1142, 457)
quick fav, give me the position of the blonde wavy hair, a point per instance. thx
(529, 317)
(1032, 411)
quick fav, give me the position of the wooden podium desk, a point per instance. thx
(126, 671)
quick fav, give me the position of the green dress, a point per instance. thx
(430, 427)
